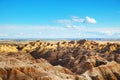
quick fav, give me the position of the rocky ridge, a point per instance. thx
(64, 60)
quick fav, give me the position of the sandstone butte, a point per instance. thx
(63, 60)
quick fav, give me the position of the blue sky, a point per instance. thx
(59, 18)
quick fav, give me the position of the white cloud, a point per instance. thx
(80, 28)
(82, 20)
(90, 20)
(30, 31)
(74, 17)
(68, 26)
(109, 33)
(63, 21)
(29, 28)
(77, 27)
(21, 34)
(3, 35)
(47, 31)
(99, 32)
(78, 20)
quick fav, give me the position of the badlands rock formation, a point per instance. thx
(63, 60)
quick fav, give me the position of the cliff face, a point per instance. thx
(110, 71)
(32, 69)
(64, 60)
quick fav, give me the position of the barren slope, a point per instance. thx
(84, 60)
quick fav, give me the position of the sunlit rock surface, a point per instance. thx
(63, 60)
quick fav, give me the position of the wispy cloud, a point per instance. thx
(3, 35)
(98, 31)
(68, 31)
(20, 34)
(32, 31)
(63, 21)
(76, 19)
(75, 27)
(110, 32)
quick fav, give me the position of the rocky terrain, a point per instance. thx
(63, 60)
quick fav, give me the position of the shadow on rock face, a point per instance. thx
(64, 60)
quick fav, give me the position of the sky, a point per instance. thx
(59, 19)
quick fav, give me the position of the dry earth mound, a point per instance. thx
(64, 60)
